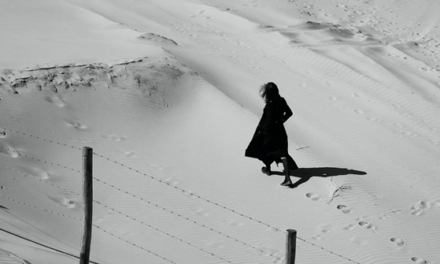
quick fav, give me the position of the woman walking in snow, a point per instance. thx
(269, 142)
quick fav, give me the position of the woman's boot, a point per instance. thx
(266, 170)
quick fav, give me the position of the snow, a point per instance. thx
(166, 94)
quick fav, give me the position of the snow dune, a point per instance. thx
(166, 94)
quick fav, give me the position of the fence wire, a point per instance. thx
(152, 204)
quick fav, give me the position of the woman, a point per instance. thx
(269, 142)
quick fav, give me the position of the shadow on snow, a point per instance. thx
(306, 173)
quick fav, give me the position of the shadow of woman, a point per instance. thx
(306, 173)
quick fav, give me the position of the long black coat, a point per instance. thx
(269, 142)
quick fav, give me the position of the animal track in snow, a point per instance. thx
(315, 197)
(2, 134)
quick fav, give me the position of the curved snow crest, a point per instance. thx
(153, 79)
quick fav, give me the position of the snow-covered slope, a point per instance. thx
(166, 94)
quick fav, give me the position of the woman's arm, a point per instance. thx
(287, 113)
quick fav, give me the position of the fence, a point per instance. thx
(291, 235)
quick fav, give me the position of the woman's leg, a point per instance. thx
(287, 180)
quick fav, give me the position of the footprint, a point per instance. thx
(374, 119)
(235, 223)
(363, 223)
(130, 154)
(64, 202)
(77, 124)
(2, 134)
(349, 227)
(368, 226)
(172, 181)
(344, 209)
(360, 112)
(387, 215)
(383, 217)
(54, 99)
(419, 208)
(202, 212)
(435, 203)
(327, 229)
(399, 242)
(315, 197)
(317, 237)
(8, 150)
(114, 137)
(419, 260)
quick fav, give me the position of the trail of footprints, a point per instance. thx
(417, 209)
(421, 207)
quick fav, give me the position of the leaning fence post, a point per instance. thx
(88, 202)
(291, 246)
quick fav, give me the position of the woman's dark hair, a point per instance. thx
(269, 91)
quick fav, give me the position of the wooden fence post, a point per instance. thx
(88, 203)
(291, 246)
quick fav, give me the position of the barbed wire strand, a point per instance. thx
(157, 229)
(40, 244)
(134, 196)
(41, 138)
(222, 206)
(45, 233)
(184, 191)
(163, 232)
(78, 219)
(183, 217)
(27, 175)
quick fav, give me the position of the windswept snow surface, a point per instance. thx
(166, 94)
